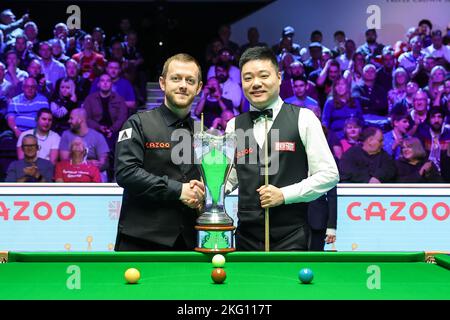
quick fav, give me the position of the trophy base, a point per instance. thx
(215, 238)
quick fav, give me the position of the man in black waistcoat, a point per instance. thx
(161, 196)
(302, 167)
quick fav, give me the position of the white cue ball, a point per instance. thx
(218, 261)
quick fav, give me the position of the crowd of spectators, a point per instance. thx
(385, 108)
(63, 100)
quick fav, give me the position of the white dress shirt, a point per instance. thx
(323, 173)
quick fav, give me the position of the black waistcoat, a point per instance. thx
(293, 167)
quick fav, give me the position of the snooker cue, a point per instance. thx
(266, 182)
(201, 122)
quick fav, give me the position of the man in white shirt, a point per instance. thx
(48, 140)
(230, 89)
(438, 50)
(302, 167)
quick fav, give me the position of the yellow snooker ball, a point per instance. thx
(132, 275)
(218, 261)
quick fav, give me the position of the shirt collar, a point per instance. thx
(171, 119)
(275, 106)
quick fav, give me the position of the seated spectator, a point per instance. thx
(300, 97)
(393, 139)
(425, 27)
(82, 85)
(94, 141)
(221, 122)
(436, 85)
(120, 85)
(437, 49)
(384, 73)
(62, 103)
(287, 44)
(91, 63)
(131, 52)
(421, 74)
(410, 60)
(419, 114)
(134, 71)
(352, 135)
(9, 26)
(31, 168)
(405, 105)
(7, 89)
(315, 60)
(48, 140)
(346, 57)
(23, 109)
(59, 50)
(413, 166)
(212, 51)
(77, 169)
(253, 40)
(367, 163)
(13, 73)
(224, 34)
(98, 36)
(24, 54)
(51, 68)
(212, 104)
(296, 70)
(317, 36)
(371, 49)
(124, 28)
(354, 72)
(372, 97)
(230, 89)
(31, 30)
(35, 71)
(339, 107)
(403, 46)
(226, 58)
(398, 91)
(434, 136)
(340, 42)
(106, 110)
(325, 77)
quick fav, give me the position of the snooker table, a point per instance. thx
(250, 276)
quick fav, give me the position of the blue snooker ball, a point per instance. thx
(306, 275)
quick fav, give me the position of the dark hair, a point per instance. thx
(300, 78)
(11, 52)
(425, 21)
(370, 30)
(339, 33)
(43, 43)
(369, 132)
(222, 64)
(316, 33)
(398, 117)
(258, 53)
(436, 33)
(43, 110)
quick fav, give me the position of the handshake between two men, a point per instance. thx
(193, 194)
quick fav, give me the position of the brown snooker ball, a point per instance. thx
(218, 275)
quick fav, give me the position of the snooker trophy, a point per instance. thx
(214, 155)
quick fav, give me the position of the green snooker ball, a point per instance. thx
(305, 275)
(218, 261)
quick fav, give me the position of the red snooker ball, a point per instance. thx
(218, 275)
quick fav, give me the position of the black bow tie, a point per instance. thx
(265, 113)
